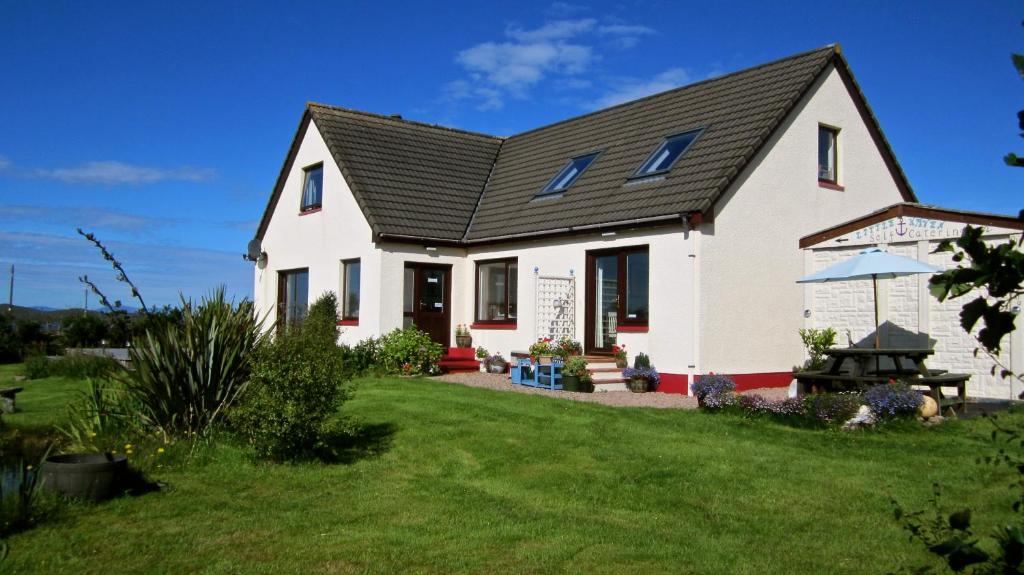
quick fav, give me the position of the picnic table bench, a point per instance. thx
(7, 395)
(861, 375)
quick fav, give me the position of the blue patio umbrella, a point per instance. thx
(872, 263)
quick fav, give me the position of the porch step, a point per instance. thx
(459, 359)
(600, 387)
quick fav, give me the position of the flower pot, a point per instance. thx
(483, 366)
(638, 384)
(93, 476)
(464, 341)
(621, 363)
(570, 382)
(497, 367)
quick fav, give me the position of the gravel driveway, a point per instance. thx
(612, 398)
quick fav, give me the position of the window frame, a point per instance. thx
(477, 320)
(698, 132)
(306, 171)
(282, 283)
(623, 282)
(548, 191)
(834, 131)
(345, 315)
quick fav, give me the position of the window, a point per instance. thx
(667, 154)
(312, 187)
(292, 296)
(497, 282)
(827, 164)
(350, 289)
(569, 174)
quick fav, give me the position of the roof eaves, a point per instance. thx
(282, 175)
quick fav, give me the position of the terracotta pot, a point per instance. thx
(464, 341)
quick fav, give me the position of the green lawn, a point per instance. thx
(469, 480)
(42, 402)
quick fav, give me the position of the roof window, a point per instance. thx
(569, 174)
(667, 154)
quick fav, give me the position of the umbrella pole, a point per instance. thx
(878, 328)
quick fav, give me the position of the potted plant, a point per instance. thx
(575, 376)
(568, 347)
(541, 349)
(497, 364)
(619, 353)
(462, 336)
(481, 356)
(642, 376)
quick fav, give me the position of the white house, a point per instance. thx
(908, 314)
(669, 224)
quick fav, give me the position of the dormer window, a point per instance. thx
(312, 187)
(828, 165)
(569, 174)
(667, 154)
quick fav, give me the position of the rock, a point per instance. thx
(928, 408)
(933, 421)
(863, 418)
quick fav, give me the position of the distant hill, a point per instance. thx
(41, 315)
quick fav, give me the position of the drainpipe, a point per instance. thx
(692, 225)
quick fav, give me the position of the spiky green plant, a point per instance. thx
(187, 374)
(104, 411)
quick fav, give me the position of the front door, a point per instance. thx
(428, 300)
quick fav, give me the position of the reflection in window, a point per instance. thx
(313, 187)
(496, 286)
(667, 154)
(292, 296)
(350, 290)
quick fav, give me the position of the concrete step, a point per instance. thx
(606, 387)
(607, 377)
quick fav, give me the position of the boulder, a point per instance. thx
(928, 408)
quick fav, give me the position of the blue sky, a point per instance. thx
(162, 126)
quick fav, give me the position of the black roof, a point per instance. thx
(425, 182)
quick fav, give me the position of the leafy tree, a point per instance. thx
(84, 330)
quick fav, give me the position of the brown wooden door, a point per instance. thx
(428, 300)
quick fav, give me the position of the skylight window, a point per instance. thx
(667, 153)
(569, 174)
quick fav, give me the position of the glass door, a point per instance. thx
(604, 284)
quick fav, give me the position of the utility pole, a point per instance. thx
(85, 310)
(10, 293)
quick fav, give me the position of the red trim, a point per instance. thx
(349, 322)
(673, 383)
(748, 381)
(632, 328)
(831, 185)
(310, 211)
(493, 326)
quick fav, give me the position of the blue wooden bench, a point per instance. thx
(549, 376)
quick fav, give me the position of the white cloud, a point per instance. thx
(75, 216)
(634, 88)
(564, 9)
(564, 49)
(119, 173)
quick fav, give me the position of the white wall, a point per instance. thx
(910, 316)
(751, 307)
(671, 287)
(320, 240)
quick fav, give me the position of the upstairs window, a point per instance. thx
(312, 187)
(569, 174)
(497, 282)
(350, 289)
(827, 156)
(667, 154)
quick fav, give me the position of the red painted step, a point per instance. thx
(459, 359)
(461, 353)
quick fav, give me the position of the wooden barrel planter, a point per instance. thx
(93, 476)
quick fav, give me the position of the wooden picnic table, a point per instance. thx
(859, 367)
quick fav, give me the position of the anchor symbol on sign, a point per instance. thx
(901, 228)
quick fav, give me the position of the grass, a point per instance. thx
(453, 479)
(43, 401)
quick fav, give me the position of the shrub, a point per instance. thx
(86, 330)
(541, 347)
(296, 386)
(409, 351)
(893, 400)
(101, 416)
(648, 373)
(641, 361)
(482, 353)
(73, 366)
(711, 384)
(817, 341)
(364, 356)
(186, 375)
(834, 407)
